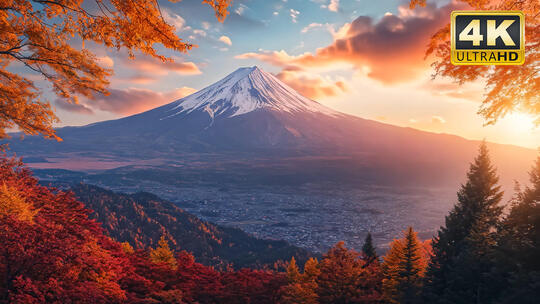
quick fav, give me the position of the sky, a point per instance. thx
(361, 57)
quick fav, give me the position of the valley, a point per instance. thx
(314, 215)
(250, 152)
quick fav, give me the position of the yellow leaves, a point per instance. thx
(127, 248)
(13, 203)
(414, 3)
(163, 254)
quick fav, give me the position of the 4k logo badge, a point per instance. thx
(487, 37)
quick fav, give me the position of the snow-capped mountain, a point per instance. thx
(243, 91)
(251, 115)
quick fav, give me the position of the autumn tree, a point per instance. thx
(508, 88)
(127, 248)
(163, 254)
(13, 203)
(59, 255)
(56, 255)
(463, 248)
(344, 279)
(40, 36)
(301, 288)
(403, 269)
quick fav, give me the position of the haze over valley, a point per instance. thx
(250, 152)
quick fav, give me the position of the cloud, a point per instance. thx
(225, 40)
(240, 9)
(312, 85)
(277, 58)
(389, 50)
(200, 33)
(445, 87)
(437, 119)
(73, 107)
(173, 19)
(313, 26)
(331, 28)
(139, 79)
(294, 15)
(105, 61)
(132, 101)
(333, 6)
(153, 66)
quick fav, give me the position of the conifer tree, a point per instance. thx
(463, 248)
(518, 250)
(163, 254)
(302, 287)
(311, 270)
(403, 269)
(293, 274)
(368, 250)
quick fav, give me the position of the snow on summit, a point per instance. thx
(243, 91)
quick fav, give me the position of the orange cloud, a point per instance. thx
(311, 85)
(127, 102)
(147, 64)
(391, 49)
(277, 58)
(225, 40)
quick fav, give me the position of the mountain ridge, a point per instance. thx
(142, 218)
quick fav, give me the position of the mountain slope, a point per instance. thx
(252, 117)
(142, 218)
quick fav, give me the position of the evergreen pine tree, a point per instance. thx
(368, 250)
(518, 250)
(403, 269)
(163, 254)
(463, 248)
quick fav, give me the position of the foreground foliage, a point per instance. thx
(38, 37)
(51, 251)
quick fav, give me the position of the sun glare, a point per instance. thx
(520, 122)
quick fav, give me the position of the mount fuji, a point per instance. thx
(252, 120)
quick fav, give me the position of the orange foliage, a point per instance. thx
(404, 267)
(508, 88)
(39, 35)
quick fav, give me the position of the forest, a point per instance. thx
(484, 253)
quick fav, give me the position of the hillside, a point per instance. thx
(142, 218)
